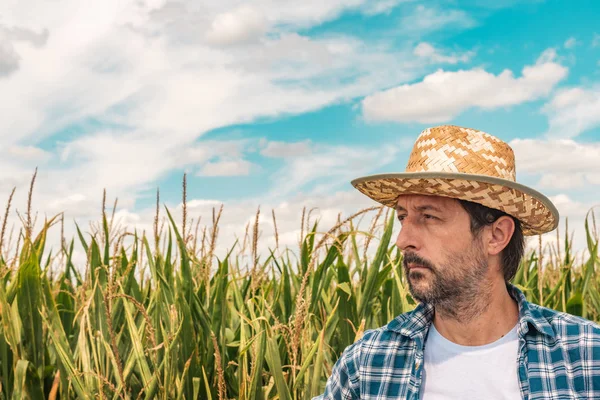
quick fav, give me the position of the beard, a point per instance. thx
(458, 288)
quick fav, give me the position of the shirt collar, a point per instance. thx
(530, 314)
(415, 324)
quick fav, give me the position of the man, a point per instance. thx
(473, 335)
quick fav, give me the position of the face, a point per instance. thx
(444, 263)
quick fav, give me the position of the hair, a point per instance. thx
(481, 216)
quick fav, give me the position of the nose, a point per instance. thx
(408, 238)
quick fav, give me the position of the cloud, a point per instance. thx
(423, 19)
(130, 164)
(443, 95)
(307, 13)
(241, 25)
(562, 163)
(570, 43)
(534, 155)
(327, 168)
(381, 7)
(9, 59)
(226, 168)
(427, 51)
(165, 77)
(29, 153)
(576, 211)
(573, 111)
(22, 34)
(496, 5)
(228, 22)
(286, 149)
(596, 40)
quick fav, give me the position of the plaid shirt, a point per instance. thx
(559, 357)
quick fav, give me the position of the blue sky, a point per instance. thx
(279, 104)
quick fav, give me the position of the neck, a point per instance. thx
(478, 320)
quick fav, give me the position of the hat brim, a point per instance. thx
(535, 211)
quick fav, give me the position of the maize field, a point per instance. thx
(161, 316)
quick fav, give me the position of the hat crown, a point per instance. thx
(456, 149)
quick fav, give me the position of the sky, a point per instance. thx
(279, 104)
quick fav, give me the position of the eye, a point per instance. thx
(401, 217)
(429, 216)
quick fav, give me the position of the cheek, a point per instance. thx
(452, 245)
(455, 238)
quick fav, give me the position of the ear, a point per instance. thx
(501, 232)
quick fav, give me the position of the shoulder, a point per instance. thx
(382, 339)
(569, 327)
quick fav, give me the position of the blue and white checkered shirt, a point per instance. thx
(559, 357)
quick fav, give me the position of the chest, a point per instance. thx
(452, 371)
(525, 373)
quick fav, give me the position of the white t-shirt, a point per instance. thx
(453, 371)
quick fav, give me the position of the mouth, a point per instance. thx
(418, 267)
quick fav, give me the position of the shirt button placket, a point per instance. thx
(523, 382)
(418, 373)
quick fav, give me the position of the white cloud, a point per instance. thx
(567, 205)
(307, 13)
(166, 80)
(443, 95)
(329, 167)
(129, 165)
(314, 12)
(562, 181)
(427, 51)
(423, 19)
(29, 153)
(381, 7)
(189, 20)
(575, 212)
(570, 43)
(241, 25)
(22, 34)
(11, 36)
(562, 163)
(534, 155)
(226, 168)
(67, 201)
(286, 149)
(562, 166)
(573, 111)
(9, 59)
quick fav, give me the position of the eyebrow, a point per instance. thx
(422, 208)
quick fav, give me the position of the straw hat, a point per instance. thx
(465, 164)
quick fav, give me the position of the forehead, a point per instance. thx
(407, 202)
